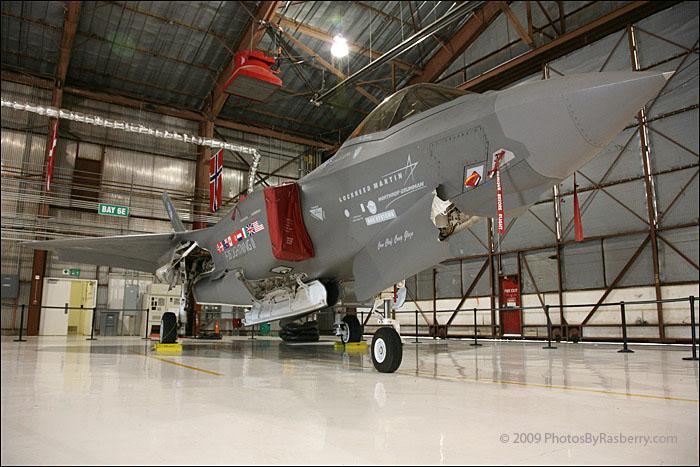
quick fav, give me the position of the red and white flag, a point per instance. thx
(499, 191)
(52, 154)
(216, 170)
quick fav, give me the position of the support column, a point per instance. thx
(649, 187)
(201, 183)
(39, 260)
(492, 285)
(70, 25)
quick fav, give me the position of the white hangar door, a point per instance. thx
(54, 322)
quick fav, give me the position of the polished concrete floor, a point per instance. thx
(113, 401)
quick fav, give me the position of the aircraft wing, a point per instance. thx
(145, 252)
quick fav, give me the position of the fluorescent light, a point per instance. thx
(339, 48)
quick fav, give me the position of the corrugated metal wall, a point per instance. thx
(135, 170)
(613, 196)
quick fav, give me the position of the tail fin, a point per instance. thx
(172, 214)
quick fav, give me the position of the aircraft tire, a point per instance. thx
(168, 328)
(300, 338)
(386, 350)
(354, 328)
(300, 332)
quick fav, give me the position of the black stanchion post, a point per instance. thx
(148, 312)
(21, 326)
(693, 341)
(624, 348)
(476, 342)
(416, 338)
(549, 329)
(252, 332)
(92, 326)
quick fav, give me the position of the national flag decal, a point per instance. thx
(216, 171)
(254, 228)
(239, 235)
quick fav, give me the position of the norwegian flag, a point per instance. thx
(228, 242)
(216, 170)
(52, 153)
(254, 228)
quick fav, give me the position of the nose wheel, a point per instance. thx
(387, 350)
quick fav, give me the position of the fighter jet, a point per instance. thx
(425, 164)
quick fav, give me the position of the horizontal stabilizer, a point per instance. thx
(145, 252)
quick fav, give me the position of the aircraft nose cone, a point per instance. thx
(564, 122)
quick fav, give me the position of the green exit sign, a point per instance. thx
(72, 272)
(113, 210)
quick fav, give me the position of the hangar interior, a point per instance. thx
(161, 65)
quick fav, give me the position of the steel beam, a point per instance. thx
(530, 62)
(201, 181)
(617, 279)
(70, 25)
(459, 42)
(652, 214)
(150, 106)
(522, 32)
(274, 134)
(328, 66)
(263, 13)
(471, 287)
(310, 31)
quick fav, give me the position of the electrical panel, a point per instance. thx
(159, 299)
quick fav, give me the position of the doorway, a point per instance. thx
(71, 293)
(511, 313)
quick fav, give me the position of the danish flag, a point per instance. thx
(216, 170)
(52, 153)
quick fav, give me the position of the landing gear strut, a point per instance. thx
(387, 348)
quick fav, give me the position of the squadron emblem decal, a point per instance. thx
(473, 176)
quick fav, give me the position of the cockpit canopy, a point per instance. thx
(406, 103)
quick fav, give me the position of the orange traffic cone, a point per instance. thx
(216, 328)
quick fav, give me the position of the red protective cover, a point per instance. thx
(290, 241)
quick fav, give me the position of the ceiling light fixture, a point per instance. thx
(339, 49)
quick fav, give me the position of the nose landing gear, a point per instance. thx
(387, 347)
(387, 350)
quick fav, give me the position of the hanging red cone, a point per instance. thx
(578, 226)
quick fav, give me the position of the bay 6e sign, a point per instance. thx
(113, 210)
